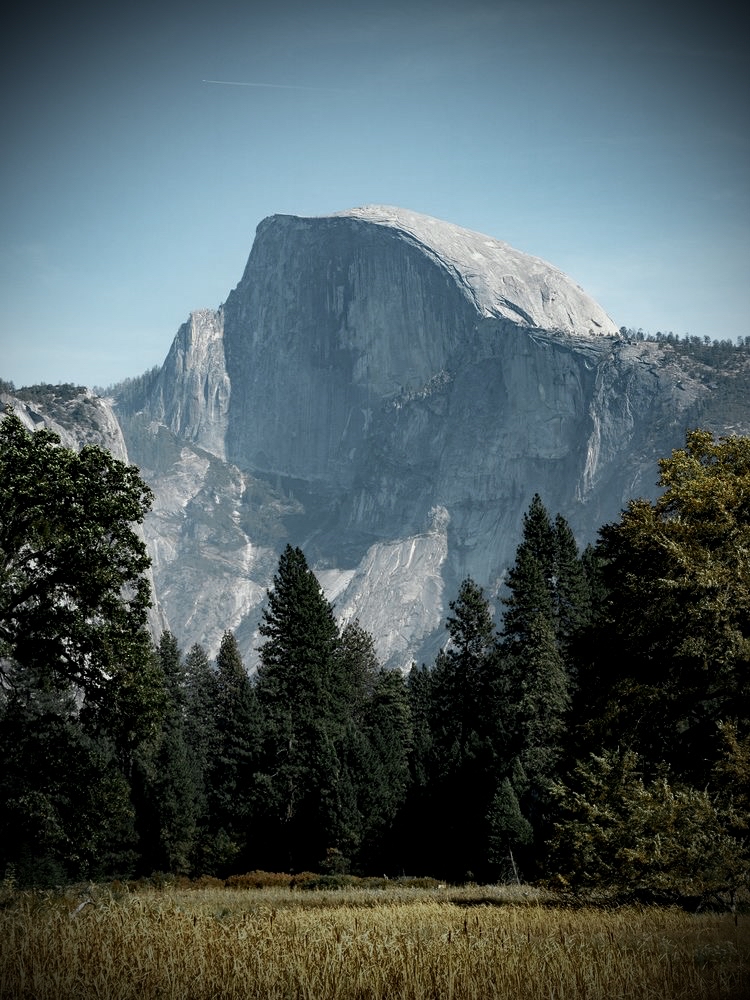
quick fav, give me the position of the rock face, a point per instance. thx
(388, 391)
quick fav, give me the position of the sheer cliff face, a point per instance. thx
(388, 391)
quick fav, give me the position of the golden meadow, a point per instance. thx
(212, 942)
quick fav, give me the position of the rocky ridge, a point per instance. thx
(388, 391)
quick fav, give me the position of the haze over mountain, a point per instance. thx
(387, 391)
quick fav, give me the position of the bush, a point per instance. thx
(207, 882)
(644, 840)
(259, 880)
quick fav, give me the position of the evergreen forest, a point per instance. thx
(588, 728)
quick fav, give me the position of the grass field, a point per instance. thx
(399, 944)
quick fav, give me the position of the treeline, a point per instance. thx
(591, 730)
(713, 352)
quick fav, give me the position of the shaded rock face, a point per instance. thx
(388, 392)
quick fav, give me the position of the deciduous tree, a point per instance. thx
(73, 591)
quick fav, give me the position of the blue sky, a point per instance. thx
(612, 142)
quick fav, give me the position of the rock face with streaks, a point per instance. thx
(388, 391)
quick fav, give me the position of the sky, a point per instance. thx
(143, 143)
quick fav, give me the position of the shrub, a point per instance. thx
(259, 880)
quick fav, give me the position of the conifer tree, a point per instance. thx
(462, 769)
(531, 578)
(571, 589)
(164, 781)
(383, 778)
(358, 668)
(548, 578)
(677, 612)
(657, 839)
(302, 697)
(231, 769)
(508, 828)
(537, 701)
(548, 604)
(201, 695)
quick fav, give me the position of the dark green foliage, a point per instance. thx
(649, 839)
(678, 613)
(301, 693)
(66, 812)
(81, 688)
(230, 773)
(118, 758)
(73, 591)
(530, 579)
(298, 662)
(572, 589)
(548, 579)
(456, 747)
(548, 605)
(336, 734)
(508, 828)
(164, 782)
(358, 668)
(201, 737)
(382, 777)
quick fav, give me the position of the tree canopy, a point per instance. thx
(600, 740)
(80, 686)
(678, 611)
(73, 589)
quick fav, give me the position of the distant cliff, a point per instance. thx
(388, 391)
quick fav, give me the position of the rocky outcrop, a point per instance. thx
(190, 395)
(370, 369)
(388, 391)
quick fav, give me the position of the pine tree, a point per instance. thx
(462, 766)
(164, 781)
(548, 578)
(231, 768)
(383, 775)
(302, 696)
(298, 661)
(548, 605)
(531, 578)
(201, 696)
(571, 589)
(508, 828)
(358, 668)
(538, 699)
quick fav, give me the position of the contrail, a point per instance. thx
(273, 86)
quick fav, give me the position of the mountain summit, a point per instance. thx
(497, 279)
(388, 391)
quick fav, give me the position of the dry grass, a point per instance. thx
(403, 944)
